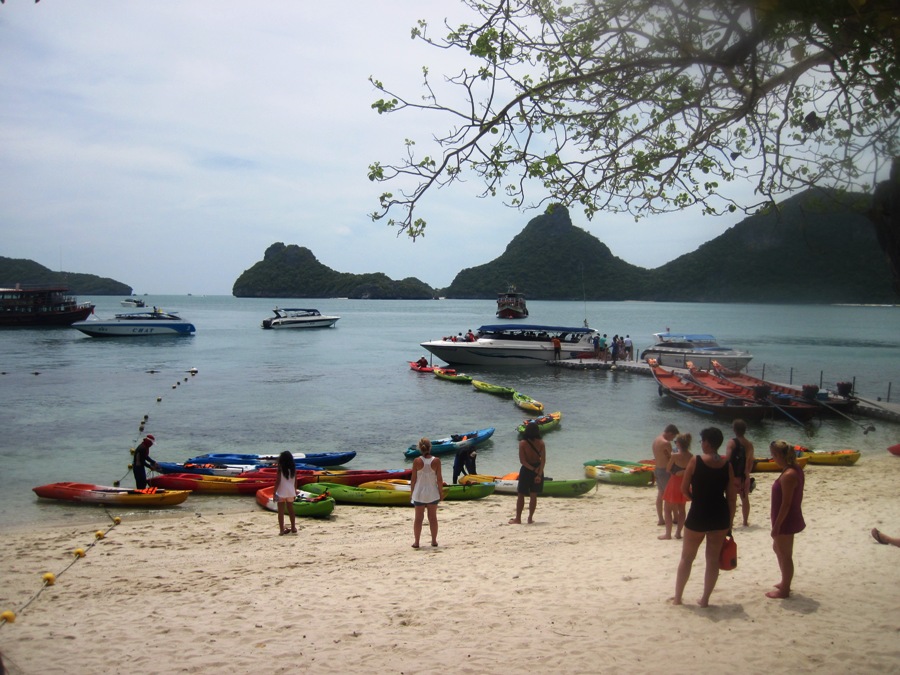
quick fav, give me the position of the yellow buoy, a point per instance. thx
(99, 534)
(117, 520)
(8, 616)
(49, 578)
(79, 552)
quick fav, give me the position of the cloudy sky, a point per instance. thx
(168, 144)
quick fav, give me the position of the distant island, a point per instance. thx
(29, 273)
(810, 252)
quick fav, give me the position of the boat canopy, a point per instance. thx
(533, 328)
(280, 310)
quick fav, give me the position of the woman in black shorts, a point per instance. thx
(709, 484)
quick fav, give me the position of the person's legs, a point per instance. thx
(783, 545)
(290, 509)
(689, 547)
(520, 506)
(532, 505)
(714, 541)
(417, 524)
(433, 523)
(679, 516)
(745, 502)
(668, 515)
(281, 506)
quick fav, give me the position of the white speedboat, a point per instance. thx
(514, 345)
(137, 324)
(674, 350)
(292, 317)
(132, 302)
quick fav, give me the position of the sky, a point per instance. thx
(167, 145)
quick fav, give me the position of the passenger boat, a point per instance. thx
(311, 458)
(349, 494)
(217, 485)
(41, 306)
(132, 302)
(700, 399)
(511, 305)
(453, 443)
(527, 403)
(294, 317)
(155, 323)
(305, 504)
(545, 423)
(806, 393)
(87, 493)
(791, 407)
(493, 388)
(513, 345)
(674, 350)
(451, 375)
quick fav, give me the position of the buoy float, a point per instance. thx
(49, 578)
(79, 552)
(99, 534)
(158, 399)
(146, 417)
(117, 520)
(8, 616)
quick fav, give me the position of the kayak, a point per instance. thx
(454, 442)
(451, 492)
(770, 465)
(87, 493)
(413, 365)
(306, 504)
(619, 475)
(545, 422)
(218, 485)
(894, 449)
(313, 458)
(552, 488)
(345, 476)
(452, 375)
(832, 457)
(348, 494)
(216, 468)
(527, 403)
(493, 388)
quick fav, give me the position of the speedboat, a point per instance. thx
(137, 324)
(132, 302)
(292, 317)
(674, 350)
(514, 345)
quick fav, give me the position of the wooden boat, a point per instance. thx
(527, 403)
(618, 475)
(87, 493)
(493, 388)
(306, 504)
(453, 443)
(511, 305)
(700, 399)
(807, 393)
(451, 492)
(322, 459)
(770, 465)
(831, 457)
(451, 375)
(41, 306)
(344, 477)
(545, 422)
(791, 407)
(218, 485)
(349, 494)
(572, 487)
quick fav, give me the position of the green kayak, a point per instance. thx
(348, 494)
(619, 472)
(552, 488)
(545, 423)
(452, 375)
(493, 388)
(473, 491)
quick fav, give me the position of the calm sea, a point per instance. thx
(73, 405)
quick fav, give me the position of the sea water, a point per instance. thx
(73, 405)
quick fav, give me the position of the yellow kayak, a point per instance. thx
(832, 457)
(770, 465)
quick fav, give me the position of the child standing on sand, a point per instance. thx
(286, 491)
(673, 497)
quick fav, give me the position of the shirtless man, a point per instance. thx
(739, 452)
(662, 450)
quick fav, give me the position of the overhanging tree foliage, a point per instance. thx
(649, 106)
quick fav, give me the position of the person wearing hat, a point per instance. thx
(142, 460)
(464, 463)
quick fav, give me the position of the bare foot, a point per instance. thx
(662, 523)
(530, 521)
(434, 543)
(664, 536)
(675, 601)
(777, 594)
(703, 603)
(515, 521)
(416, 545)
(678, 536)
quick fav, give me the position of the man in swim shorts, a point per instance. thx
(662, 451)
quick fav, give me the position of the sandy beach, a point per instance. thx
(584, 589)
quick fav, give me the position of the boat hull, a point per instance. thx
(452, 444)
(692, 396)
(832, 457)
(86, 493)
(135, 328)
(213, 485)
(348, 494)
(527, 403)
(574, 487)
(306, 504)
(313, 458)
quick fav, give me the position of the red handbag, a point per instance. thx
(728, 554)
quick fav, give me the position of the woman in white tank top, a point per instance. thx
(426, 484)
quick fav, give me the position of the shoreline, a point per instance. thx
(585, 588)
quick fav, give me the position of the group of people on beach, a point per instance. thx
(711, 483)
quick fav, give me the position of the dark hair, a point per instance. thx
(286, 465)
(713, 436)
(739, 427)
(671, 429)
(532, 431)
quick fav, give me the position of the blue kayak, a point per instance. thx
(446, 446)
(316, 459)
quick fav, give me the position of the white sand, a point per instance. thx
(585, 589)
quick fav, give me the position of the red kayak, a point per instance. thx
(88, 493)
(895, 449)
(221, 485)
(348, 477)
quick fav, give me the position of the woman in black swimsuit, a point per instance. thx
(709, 484)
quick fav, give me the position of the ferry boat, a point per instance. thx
(299, 318)
(514, 345)
(511, 305)
(137, 324)
(674, 350)
(41, 306)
